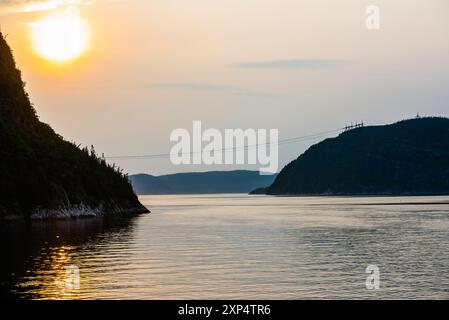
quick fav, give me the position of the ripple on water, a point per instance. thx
(238, 246)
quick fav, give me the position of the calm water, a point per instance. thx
(237, 246)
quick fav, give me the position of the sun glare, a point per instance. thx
(61, 36)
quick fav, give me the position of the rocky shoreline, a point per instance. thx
(80, 211)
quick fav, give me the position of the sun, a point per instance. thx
(61, 36)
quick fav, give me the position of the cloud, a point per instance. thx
(15, 6)
(219, 88)
(290, 64)
(199, 87)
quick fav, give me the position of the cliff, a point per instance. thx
(41, 174)
(410, 157)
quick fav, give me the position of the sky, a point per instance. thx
(303, 67)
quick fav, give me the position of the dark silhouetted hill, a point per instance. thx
(240, 181)
(410, 157)
(42, 175)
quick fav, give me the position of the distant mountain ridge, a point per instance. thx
(239, 181)
(44, 176)
(410, 157)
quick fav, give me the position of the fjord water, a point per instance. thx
(237, 246)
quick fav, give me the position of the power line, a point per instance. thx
(279, 143)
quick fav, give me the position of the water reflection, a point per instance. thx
(36, 255)
(237, 247)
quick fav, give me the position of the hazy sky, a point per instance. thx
(300, 66)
